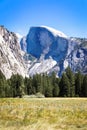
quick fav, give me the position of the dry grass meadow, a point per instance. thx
(43, 114)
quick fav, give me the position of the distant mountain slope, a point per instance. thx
(77, 57)
(44, 43)
(11, 56)
(44, 50)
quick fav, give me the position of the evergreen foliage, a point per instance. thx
(4, 87)
(17, 84)
(78, 84)
(84, 86)
(71, 78)
(69, 85)
(64, 86)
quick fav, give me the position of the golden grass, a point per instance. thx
(43, 114)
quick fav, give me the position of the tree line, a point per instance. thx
(68, 85)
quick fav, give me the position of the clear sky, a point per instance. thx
(68, 16)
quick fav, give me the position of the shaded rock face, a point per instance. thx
(23, 44)
(11, 61)
(45, 43)
(41, 41)
(45, 50)
(50, 48)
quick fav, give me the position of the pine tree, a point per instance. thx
(71, 78)
(53, 78)
(64, 86)
(26, 84)
(78, 83)
(3, 84)
(43, 83)
(84, 86)
(56, 90)
(48, 87)
(17, 84)
(8, 91)
(35, 83)
(39, 83)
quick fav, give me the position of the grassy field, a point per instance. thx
(43, 114)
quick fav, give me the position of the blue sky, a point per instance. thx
(68, 16)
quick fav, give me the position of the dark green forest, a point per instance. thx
(68, 85)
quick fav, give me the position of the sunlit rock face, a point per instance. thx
(11, 56)
(44, 43)
(77, 54)
(43, 50)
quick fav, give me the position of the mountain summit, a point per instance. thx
(55, 32)
(42, 41)
(55, 51)
(43, 50)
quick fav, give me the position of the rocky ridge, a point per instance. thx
(11, 55)
(43, 50)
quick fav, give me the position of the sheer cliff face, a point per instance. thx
(44, 50)
(77, 54)
(42, 41)
(23, 44)
(49, 46)
(11, 60)
(55, 51)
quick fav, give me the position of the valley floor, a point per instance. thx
(43, 114)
